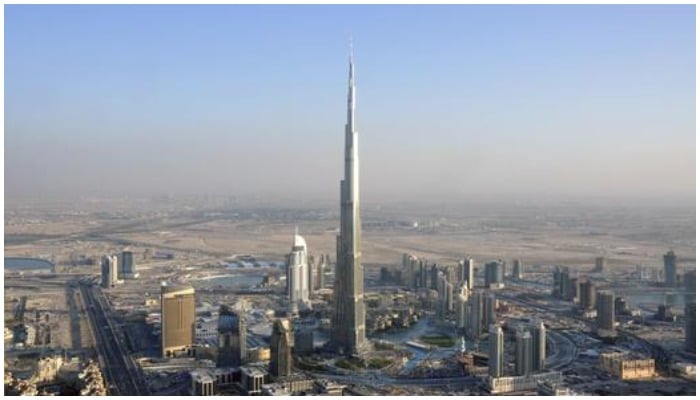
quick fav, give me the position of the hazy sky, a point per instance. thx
(452, 101)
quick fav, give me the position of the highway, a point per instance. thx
(122, 376)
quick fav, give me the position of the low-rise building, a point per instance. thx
(625, 366)
(507, 384)
(253, 378)
(202, 383)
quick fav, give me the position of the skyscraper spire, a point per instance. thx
(348, 334)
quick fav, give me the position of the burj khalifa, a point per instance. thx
(348, 330)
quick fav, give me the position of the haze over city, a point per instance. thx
(459, 102)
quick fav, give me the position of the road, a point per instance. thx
(122, 376)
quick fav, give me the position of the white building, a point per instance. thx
(298, 275)
(463, 306)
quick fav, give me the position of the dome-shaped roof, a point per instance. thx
(299, 243)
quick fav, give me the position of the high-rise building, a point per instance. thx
(523, 352)
(605, 304)
(495, 351)
(561, 282)
(466, 271)
(463, 307)
(110, 268)
(476, 313)
(587, 292)
(127, 269)
(494, 274)
(689, 286)
(177, 309)
(298, 275)
(599, 264)
(670, 268)
(539, 345)
(571, 290)
(281, 343)
(434, 275)
(348, 330)
(690, 327)
(231, 339)
(517, 273)
(490, 309)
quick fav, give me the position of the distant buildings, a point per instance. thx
(670, 268)
(298, 275)
(495, 351)
(517, 273)
(476, 314)
(281, 343)
(127, 269)
(560, 281)
(109, 271)
(494, 274)
(445, 295)
(231, 339)
(177, 319)
(599, 264)
(605, 303)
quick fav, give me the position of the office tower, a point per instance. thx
(690, 327)
(298, 275)
(127, 269)
(571, 290)
(538, 332)
(476, 313)
(231, 339)
(490, 309)
(587, 292)
(177, 310)
(670, 268)
(110, 267)
(281, 348)
(494, 274)
(605, 303)
(599, 264)
(466, 272)
(434, 275)
(348, 330)
(463, 307)
(523, 352)
(451, 273)
(689, 286)
(517, 273)
(556, 282)
(445, 295)
(495, 351)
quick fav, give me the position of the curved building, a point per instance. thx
(298, 275)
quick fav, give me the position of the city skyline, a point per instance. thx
(484, 93)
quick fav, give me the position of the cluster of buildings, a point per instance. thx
(116, 268)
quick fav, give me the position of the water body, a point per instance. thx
(27, 264)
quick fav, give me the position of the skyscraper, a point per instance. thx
(690, 327)
(126, 265)
(110, 266)
(517, 273)
(689, 286)
(466, 271)
(463, 307)
(177, 309)
(231, 339)
(599, 264)
(298, 275)
(281, 343)
(348, 331)
(476, 314)
(523, 352)
(490, 309)
(605, 303)
(587, 292)
(539, 345)
(670, 268)
(495, 351)
(494, 274)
